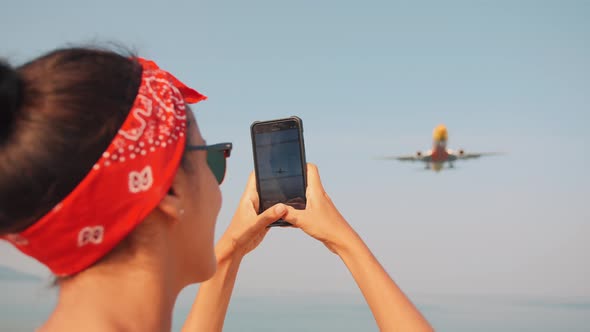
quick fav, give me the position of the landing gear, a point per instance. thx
(451, 165)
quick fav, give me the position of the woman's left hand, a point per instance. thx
(247, 228)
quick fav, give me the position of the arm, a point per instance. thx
(392, 310)
(245, 232)
(210, 306)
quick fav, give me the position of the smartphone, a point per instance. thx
(279, 163)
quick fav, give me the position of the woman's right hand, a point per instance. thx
(320, 219)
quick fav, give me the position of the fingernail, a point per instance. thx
(280, 209)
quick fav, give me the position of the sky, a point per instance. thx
(370, 79)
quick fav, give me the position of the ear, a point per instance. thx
(171, 204)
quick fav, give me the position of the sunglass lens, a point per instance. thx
(216, 161)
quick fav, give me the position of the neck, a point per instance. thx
(116, 298)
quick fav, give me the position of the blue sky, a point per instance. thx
(373, 78)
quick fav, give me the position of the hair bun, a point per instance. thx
(10, 96)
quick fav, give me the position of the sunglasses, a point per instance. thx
(216, 155)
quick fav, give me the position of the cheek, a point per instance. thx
(208, 200)
(217, 198)
(211, 209)
(209, 197)
(211, 193)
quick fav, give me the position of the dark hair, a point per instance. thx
(58, 114)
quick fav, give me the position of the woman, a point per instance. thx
(106, 179)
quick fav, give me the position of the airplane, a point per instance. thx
(436, 157)
(280, 171)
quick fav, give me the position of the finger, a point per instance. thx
(313, 178)
(293, 216)
(251, 185)
(271, 215)
(251, 193)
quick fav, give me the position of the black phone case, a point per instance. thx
(299, 122)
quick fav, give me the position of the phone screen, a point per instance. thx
(279, 162)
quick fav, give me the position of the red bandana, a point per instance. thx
(125, 184)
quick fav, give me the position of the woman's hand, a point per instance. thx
(247, 228)
(320, 219)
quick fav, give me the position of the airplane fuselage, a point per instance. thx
(439, 155)
(439, 152)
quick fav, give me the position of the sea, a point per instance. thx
(24, 305)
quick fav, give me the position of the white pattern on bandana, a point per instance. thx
(141, 181)
(90, 234)
(156, 97)
(135, 133)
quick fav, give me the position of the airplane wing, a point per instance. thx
(425, 157)
(462, 155)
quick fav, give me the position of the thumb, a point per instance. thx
(271, 215)
(293, 216)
